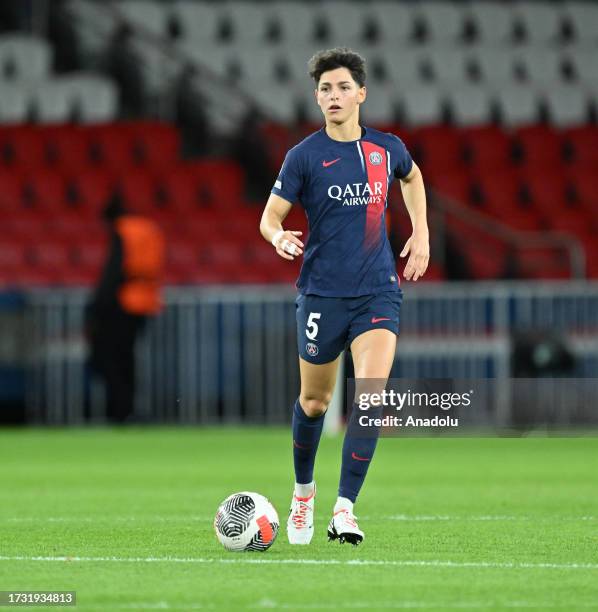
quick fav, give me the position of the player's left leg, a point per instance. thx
(373, 354)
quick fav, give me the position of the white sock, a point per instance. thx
(343, 503)
(304, 490)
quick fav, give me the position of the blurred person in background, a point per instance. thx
(349, 292)
(127, 294)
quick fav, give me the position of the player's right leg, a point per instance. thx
(317, 385)
(320, 338)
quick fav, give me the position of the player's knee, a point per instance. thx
(315, 406)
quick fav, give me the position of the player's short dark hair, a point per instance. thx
(339, 57)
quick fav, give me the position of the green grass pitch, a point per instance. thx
(124, 517)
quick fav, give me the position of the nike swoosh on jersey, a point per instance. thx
(326, 164)
(355, 456)
(378, 319)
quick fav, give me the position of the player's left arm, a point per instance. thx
(418, 245)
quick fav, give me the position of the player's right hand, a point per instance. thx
(288, 246)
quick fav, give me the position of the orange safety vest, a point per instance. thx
(143, 262)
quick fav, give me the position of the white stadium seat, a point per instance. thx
(380, 106)
(421, 105)
(567, 105)
(518, 105)
(146, 15)
(449, 64)
(404, 65)
(345, 21)
(14, 102)
(542, 21)
(584, 18)
(586, 67)
(279, 102)
(218, 58)
(497, 64)
(470, 105)
(24, 57)
(493, 21)
(394, 22)
(250, 21)
(158, 69)
(95, 97)
(198, 21)
(296, 21)
(541, 64)
(444, 20)
(52, 100)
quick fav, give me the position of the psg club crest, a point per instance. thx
(312, 349)
(375, 158)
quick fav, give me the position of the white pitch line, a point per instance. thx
(274, 561)
(392, 517)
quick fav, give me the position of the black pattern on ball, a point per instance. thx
(258, 544)
(235, 515)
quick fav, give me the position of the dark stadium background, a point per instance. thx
(189, 107)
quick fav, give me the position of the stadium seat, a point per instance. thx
(158, 68)
(221, 183)
(404, 67)
(11, 191)
(24, 57)
(296, 21)
(250, 22)
(496, 65)
(91, 190)
(448, 64)
(439, 147)
(13, 255)
(518, 105)
(45, 191)
(453, 185)
(493, 21)
(583, 16)
(585, 186)
(421, 105)
(154, 144)
(469, 105)
(14, 102)
(541, 65)
(548, 191)
(22, 147)
(487, 147)
(542, 21)
(541, 146)
(582, 143)
(443, 21)
(345, 22)
(67, 147)
(94, 27)
(94, 97)
(139, 190)
(500, 190)
(394, 22)
(380, 107)
(197, 21)
(567, 104)
(52, 101)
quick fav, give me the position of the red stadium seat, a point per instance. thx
(111, 147)
(583, 143)
(439, 147)
(488, 147)
(180, 190)
(68, 147)
(541, 146)
(12, 255)
(140, 191)
(548, 191)
(221, 183)
(89, 252)
(51, 255)
(154, 144)
(453, 185)
(91, 190)
(45, 191)
(500, 190)
(584, 183)
(22, 148)
(11, 191)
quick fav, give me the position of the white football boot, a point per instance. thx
(343, 527)
(300, 525)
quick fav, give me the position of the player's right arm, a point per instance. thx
(286, 242)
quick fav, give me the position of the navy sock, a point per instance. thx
(306, 437)
(357, 454)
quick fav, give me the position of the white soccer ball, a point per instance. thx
(246, 521)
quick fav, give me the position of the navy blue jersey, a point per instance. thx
(343, 187)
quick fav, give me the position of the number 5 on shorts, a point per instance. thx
(312, 327)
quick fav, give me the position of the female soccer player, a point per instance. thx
(349, 292)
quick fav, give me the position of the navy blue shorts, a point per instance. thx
(327, 325)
